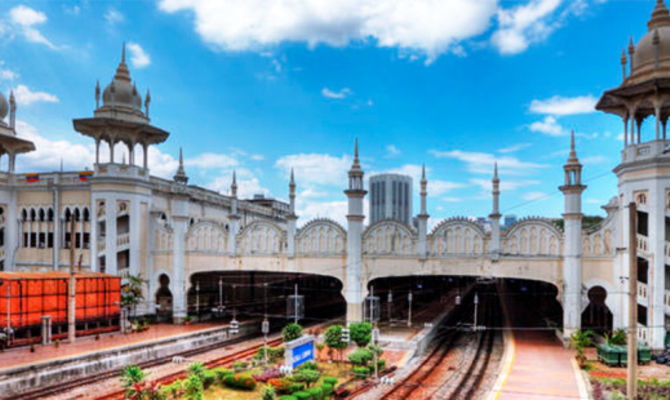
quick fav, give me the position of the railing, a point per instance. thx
(642, 243)
(123, 239)
(642, 291)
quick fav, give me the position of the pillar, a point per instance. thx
(354, 285)
(422, 246)
(179, 218)
(145, 155)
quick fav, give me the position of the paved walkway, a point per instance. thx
(20, 356)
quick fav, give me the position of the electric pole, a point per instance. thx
(631, 385)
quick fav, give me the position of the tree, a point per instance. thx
(131, 293)
(291, 331)
(306, 376)
(361, 356)
(361, 333)
(333, 339)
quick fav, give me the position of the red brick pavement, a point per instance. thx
(21, 356)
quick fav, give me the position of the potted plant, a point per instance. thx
(187, 320)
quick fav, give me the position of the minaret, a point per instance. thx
(180, 176)
(12, 111)
(494, 217)
(572, 249)
(422, 247)
(233, 217)
(354, 286)
(291, 218)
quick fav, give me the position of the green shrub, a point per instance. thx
(197, 368)
(361, 371)
(302, 395)
(276, 352)
(308, 365)
(307, 376)
(360, 356)
(291, 331)
(221, 373)
(239, 381)
(239, 366)
(288, 397)
(381, 364)
(360, 333)
(331, 380)
(208, 377)
(193, 386)
(327, 389)
(268, 393)
(316, 393)
(174, 389)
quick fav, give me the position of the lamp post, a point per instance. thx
(389, 300)
(409, 315)
(197, 299)
(220, 295)
(474, 319)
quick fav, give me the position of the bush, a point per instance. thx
(197, 368)
(239, 381)
(276, 352)
(291, 331)
(286, 386)
(361, 371)
(330, 380)
(361, 356)
(381, 364)
(267, 375)
(316, 393)
(288, 397)
(327, 389)
(308, 365)
(208, 377)
(361, 333)
(307, 376)
(239, 366)
(193, 386)
(302, 395)
(221, 373)
(333, 338)
(268, 393)
(174, 389)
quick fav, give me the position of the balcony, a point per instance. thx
(123, 240)
(642, 333)
(642, 244)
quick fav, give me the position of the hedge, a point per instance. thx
(239, 381)
(316, 393)
(208, 378)
(361, 371)
(288, 397)
(327, 389)
(330, 380)
(308, 365)
(221, 373)
(302, 395)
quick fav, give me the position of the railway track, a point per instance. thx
(462, 384)
(74, 383)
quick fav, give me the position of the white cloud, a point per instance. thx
(315, 168)
(7, 74)
(558, 105)
(522, 25)
(25, 19)
(482, 163)
(533, 196)
(342, 93)
(392, 151)
(49, 153)
(113, 17)
(505, 184)
(335, 210)
(212, 160)
(514, 148)
(426, 27)
(25, 96)
(247, 184)
(138, 56)
(548, 126)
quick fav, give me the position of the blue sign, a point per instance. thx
(302, 353)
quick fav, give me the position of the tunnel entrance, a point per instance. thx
(532, 305)
(252, 294)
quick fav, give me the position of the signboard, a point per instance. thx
(299, 351)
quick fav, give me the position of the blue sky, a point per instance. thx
(261, 87)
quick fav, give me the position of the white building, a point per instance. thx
(390, 197)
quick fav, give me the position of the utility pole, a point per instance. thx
(71, 312)
(375, 338)
(631, 385)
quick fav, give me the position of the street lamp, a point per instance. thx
(474, 320)
(197, 299)
(409, 315)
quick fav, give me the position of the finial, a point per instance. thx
(423, 172)
(356, 151)
(495, 170)
(97, 94)
(234, 179)
(147, 100)
(180, 176)
(181, 157)
(12, 110)
(572, 140)
(631, 46)
(123, 53)
(292, 177)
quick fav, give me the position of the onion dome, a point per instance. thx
(121, 94)
(652, 53)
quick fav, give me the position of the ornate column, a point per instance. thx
(422, 247)
(179, 207)
(494, 217)
(234, 219)
(291, 219)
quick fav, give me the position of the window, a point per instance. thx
(642, 223)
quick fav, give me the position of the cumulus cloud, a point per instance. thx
(533, 196)
(7, 74)
(113, 17)
(522, 25)
(138, 56)
(548, 126)
(315, 168)
(342, 93)
(25, 19)
(505, 184)
(513, 148)
(558, 105)
(425, 27)
(26, 97)
(482, 163)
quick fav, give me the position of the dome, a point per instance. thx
(4, 107)
(120, 92)
(655, 43)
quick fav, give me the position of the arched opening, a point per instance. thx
(597, 316)
(164, 299)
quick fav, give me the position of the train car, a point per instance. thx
(27, 296)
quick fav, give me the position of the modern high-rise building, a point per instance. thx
(390, 198)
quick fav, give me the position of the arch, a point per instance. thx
(321, 236)
(206, 236)
(41, 215)
(533, 237)
(261, 237)
(389, 237)
(33, 214)
(86, 214)
(163, 296)
(457, 236)
(24, 215)
(50, 214)
(596, 315)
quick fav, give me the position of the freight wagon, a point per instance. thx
(27, 296)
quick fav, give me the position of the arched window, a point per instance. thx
(24, 215)
(41, 214)
(86, 214)
(32, 214)
(68, 214)
(76, 214)
(50, 214)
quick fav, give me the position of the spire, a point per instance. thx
(97, 94)
(233, 186)
(147, 100)
(356, 162)
(624, 61)
(631, 51)
(495, 171)
(572, 158)
(12, 110)
(659, 17)
(291, 194)
(424, 192)
(495, 191)
(122, 71)
(180, 176)
(423, 172)
(123, 53)
(355, 172)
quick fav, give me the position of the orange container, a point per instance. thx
(26, 296)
